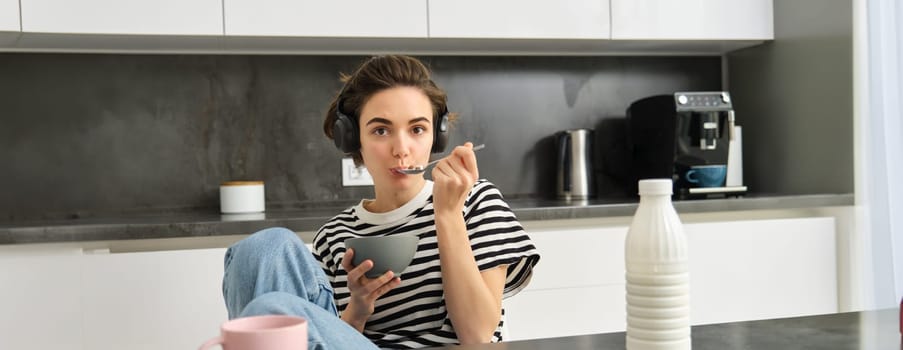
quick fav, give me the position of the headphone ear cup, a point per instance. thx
(440, 133)
(344, 133)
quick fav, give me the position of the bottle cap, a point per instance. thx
(655, 187)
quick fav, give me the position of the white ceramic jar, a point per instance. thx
(236, 197)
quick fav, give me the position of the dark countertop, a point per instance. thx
(203, 224)
(853, 330)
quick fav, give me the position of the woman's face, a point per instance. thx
(396, 128)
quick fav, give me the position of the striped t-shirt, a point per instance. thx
(413, 314)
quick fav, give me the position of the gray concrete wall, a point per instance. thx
(86, 135)
(794, 99)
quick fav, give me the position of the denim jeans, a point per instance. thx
(273, 272)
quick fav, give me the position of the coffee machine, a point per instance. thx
(686, 137)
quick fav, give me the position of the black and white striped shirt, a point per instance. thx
(413, 314)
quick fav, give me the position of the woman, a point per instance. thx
(472, 250)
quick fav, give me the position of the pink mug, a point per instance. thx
(268, 332)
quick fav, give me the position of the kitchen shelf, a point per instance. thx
(247, 45)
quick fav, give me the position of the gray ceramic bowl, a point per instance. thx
(387, 252)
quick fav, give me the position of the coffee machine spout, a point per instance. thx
(709, 132)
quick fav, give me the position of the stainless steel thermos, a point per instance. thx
(575, 164)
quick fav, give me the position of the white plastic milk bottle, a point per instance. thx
(658, 281)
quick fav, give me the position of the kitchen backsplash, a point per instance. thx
(84, 135)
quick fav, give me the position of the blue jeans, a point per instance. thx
(273, 272)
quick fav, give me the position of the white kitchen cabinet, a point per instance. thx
(762, 269)
(585, 264)
(550, 313)
(9, 15)
(456, 27)
(162, 17)
(59, 297)
(692, 20)
(519, 19)
(337, 18)
(153, 300)
(40, 295)
(739, 270)
(578, 257)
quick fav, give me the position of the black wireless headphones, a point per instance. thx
(345, 130)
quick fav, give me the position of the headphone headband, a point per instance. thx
(346, 130)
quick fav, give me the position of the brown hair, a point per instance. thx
(377, 74)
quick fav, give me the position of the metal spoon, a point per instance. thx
(418, 169)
